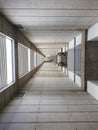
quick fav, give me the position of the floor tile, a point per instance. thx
(51, 102)
(21, 126)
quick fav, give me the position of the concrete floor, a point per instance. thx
(51, 102)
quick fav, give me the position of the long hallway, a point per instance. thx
(50, 101)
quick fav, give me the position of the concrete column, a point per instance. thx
(16, 65)
(57, 58)
(67, 59)
(83, 61)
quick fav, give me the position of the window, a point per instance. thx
(31, 59)
(38, 59)
(35, 59)
(7, 63)
(23, 59)
(26, 60)
(9, 60)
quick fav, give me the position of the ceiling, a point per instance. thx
(50, 24)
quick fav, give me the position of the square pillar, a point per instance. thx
(83, 61)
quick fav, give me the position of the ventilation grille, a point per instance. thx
(19, 27)
(20, 94)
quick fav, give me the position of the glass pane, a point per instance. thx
(29, 60)
(9, 60)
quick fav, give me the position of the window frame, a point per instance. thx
(12, 62)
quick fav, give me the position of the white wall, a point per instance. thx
(71, 75)
(93, 33)
(47, 58)
(78, 80)
(78, 39)
(92, 88)
(71, 44)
